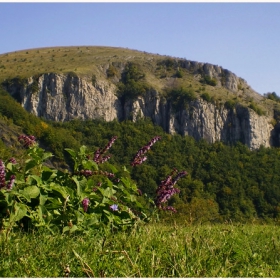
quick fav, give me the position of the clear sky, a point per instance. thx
(241, 37)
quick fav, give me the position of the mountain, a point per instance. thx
(186, 97)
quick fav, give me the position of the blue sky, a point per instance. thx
(241, 37)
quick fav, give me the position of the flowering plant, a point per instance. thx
(39, 196)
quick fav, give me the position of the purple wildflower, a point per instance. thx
(85, 204)
(98, 155)
(114, 207)
(139, 192)
(169, 208)
(139, 158)
(11, 182)
(27, 141)
(166, 190)
(97, 186)
(12, 160)
(2, 175)
(86, 173)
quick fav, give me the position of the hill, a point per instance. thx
(238, 181)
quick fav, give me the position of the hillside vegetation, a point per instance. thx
(243, 189)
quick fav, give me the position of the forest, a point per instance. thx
(222, 183)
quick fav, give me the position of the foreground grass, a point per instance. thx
(149, 251)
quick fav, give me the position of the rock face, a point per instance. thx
(63, 97)
(204, 120)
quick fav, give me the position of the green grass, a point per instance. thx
(148, 251)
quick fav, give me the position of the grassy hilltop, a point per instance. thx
(160, 71)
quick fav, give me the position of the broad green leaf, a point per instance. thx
(73, 228)
(82, 150)
(19, 212)
(74, 157)
(37, 179)
(74, 178)
(10, 166)
(43, 199)
(53, 203)
(30, 164)
(65, 229)
(46, 155)
(71, 152)
(48, 175)
(30, 192)
(59, 189)
(113, 168)
(126, 182)
(92, 220)
(81, 186)
(79, 216)
(89, 164)
(108, 192)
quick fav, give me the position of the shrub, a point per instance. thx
(273, 96)
(179, 74)
(132, 84)
(169, 63)
(111, 71)
(230, 104)
(180, 97)
(205, 96)
(209, 81)
(256, 108)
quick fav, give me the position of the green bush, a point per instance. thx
(273, 96)
(208, 80)
(169, 63)
(230, 104)
(132, 83)
(179, 74)
(111, 71)
(205, 96)
(40, 197)
(256, 108)
(180, 97)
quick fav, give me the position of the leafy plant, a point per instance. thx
(44, 197)
(180, 97)
(41, 197)
(132, 83)
(256, 108)
(205, 96)
(208, 80)
(111, 71)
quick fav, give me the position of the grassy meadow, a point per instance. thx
(152, 250)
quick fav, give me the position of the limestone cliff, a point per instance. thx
(62, 97)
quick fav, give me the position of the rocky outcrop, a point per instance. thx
(64, 97)
(202, 119)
